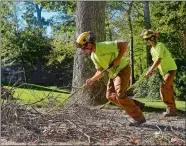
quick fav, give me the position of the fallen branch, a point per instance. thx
(80, 130)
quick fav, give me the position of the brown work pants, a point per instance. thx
(117, 93)
(166, 90)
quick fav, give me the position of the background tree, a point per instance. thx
(147, 25)
(26, 43)
(119, 18)
(131, 44)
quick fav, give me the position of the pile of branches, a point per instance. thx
(24, 123)
(82, 125)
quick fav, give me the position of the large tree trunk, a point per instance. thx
(147, 26)
(90, 17)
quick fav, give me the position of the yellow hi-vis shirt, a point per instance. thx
(167, 62)
(105, 53)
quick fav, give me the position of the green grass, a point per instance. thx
(158, 103)
(30, 93)
(37, 87)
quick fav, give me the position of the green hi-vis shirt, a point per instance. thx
(167, 62)
(105, 53)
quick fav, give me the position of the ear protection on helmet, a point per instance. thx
(91, 37)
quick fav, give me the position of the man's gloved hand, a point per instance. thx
(89, 82)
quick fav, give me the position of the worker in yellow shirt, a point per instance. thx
(162, 60)
(112, 52)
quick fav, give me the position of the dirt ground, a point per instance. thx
(81, 125)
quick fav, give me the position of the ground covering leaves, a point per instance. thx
(82, 125)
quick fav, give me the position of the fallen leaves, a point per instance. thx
(176, 141)
(134, 140)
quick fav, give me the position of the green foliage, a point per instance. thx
(171, 16)
(115, 23)
(180, 80)
(26, 44)
(68, 7)
(63, 49)
(171, 24)
(10, 25)
(33, 47)
(118, 28)
(28, 15)
(148, 87)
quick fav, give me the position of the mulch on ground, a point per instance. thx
(82, 125)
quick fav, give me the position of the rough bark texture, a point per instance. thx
(147, 26)
(131, 45)
(90, 17)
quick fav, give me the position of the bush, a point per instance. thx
(180, 80)
(148, 87)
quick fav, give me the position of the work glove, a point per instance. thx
(89, 82)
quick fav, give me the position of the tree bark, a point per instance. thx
(38, 11)
(131, 45)
(147, 26)
(90, 17)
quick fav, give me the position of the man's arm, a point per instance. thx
(153, 67)
(99, 74)
(122, 47)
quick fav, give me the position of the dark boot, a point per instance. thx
(141, 105)
(137, 123)
(170, 113)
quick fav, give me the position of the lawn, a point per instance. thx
(30, 93)
(158, 103)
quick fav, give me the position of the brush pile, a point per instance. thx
(82, 125)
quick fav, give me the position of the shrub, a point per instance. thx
(148, 87)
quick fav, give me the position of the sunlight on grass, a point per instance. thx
(36, 93)
(158, 103)
(31, 96)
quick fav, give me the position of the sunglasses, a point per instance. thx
(147, 39)
(84, 47)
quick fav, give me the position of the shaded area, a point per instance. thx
(146, 109)
(160, 110)
(36, 87)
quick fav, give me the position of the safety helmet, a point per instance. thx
(84, 38)
(148, 33)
